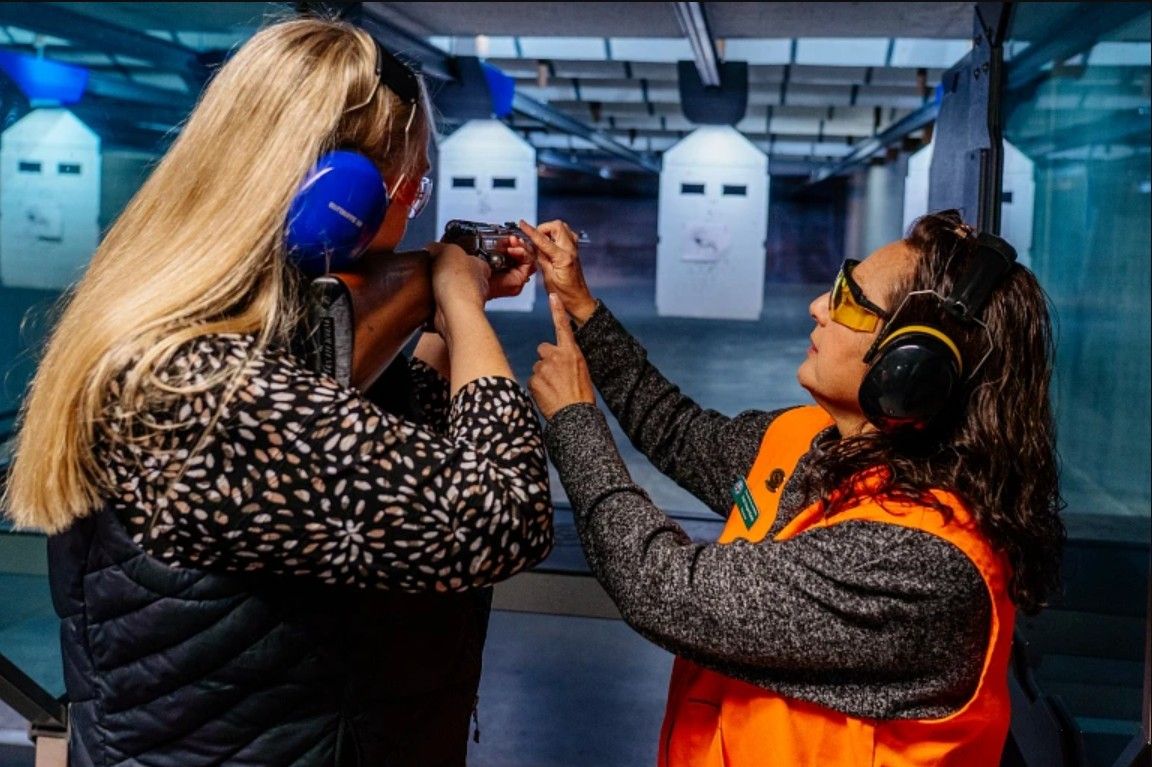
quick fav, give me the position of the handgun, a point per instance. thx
(487, 241)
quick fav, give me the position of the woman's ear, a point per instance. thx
(392, 229)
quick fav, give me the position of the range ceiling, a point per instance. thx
(823, 77)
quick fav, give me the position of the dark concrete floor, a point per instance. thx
(562, 691)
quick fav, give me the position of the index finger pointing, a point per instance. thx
(564, 335)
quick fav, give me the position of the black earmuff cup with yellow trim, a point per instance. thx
(916, 369)
(909, 382)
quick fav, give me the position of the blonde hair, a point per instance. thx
(200, 250)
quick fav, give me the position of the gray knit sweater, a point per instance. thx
(874, 620)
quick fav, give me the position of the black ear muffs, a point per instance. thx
(913, 375)
(916, 370)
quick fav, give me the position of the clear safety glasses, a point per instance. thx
(414, 194)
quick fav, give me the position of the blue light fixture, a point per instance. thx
(501, 88)
(43, 80)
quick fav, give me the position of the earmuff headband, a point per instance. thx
(927, 330)
(397, 76)
(992, 260)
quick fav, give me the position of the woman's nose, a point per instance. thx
(818, 309)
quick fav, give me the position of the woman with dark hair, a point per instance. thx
(859, 605)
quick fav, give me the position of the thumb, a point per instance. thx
(564, 335)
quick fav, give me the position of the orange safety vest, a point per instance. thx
(713, 720)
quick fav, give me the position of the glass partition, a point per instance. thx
(1084, 123)
(1078, 107)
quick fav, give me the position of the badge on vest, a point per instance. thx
(742, 496)
(775, 479)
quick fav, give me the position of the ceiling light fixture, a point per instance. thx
(695, 25)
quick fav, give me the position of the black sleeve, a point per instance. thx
(431, 395)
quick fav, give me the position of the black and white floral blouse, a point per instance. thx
(299, 476)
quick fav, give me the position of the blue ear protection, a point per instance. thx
(336, 213)
(342, 201)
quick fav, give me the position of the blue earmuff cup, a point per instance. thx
(336, 213)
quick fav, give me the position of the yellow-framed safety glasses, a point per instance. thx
(847, 304)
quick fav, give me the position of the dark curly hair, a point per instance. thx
(995, 446)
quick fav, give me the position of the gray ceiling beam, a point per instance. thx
(694, 22)
(113, 87)
(433, 61)
(557, 120)
(882, 140)
(90, 32)
(436, 63)
(1093, 21)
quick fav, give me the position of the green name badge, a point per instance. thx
(745, 503)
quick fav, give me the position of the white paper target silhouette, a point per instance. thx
(712, 222)
(487, 173)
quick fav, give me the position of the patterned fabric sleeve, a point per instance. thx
(302, 477)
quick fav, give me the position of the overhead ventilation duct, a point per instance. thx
(724, 104)
(694, 22)
(712, 92)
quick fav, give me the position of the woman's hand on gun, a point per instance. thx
(558, 257)
(510, 281)
(460, 285)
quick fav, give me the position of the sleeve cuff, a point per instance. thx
(599, 321)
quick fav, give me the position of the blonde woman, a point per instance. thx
(252, 563)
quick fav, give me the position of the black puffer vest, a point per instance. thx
(171, 667)
(178, 668)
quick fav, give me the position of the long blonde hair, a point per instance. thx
(199, 249)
